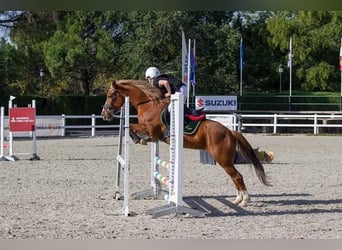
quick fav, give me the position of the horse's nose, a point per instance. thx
(103, 114)
(106, 115)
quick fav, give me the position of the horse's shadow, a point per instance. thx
(212, 205)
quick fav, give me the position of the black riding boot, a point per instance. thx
(142, 139)
(134, 137)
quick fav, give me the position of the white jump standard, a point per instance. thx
(124, 161)
(2, 128)
(21, 119)
(175, 198)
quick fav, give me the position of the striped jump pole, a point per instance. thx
(175, 201)
(124, 160)
(117, 194)
(155, 191)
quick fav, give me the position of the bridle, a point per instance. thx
(108, 107)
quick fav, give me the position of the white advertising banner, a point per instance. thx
(217, 103)
(226, 120)
(45, 126)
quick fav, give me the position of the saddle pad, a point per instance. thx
(190, 127)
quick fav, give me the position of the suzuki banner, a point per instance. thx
(217, 103)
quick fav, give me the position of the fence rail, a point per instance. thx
(313, 122)
(266, 123)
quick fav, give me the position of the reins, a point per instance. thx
(143, 102)
(148, 100)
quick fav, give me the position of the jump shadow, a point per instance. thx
(275, 207)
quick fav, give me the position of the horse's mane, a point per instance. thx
(151, 91)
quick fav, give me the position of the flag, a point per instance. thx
(184, 60)
(241, 54)
(193, 62)
(341, 55)
(289, 61)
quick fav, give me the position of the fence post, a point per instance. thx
(275, 124)
(63, 124)
(93, 123)
(234, 122)
(239, 120)
(315, 124)
(34, 135)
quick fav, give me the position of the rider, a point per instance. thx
(166, 83)
(169, 85)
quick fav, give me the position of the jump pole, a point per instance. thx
(117, 194)
(124, 161)
(175, 201)
(2, 128)
(10, 157)
(155, 190)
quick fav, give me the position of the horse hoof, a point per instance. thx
(143, 142)
(237, 201)
(243, 203)
(117, 196)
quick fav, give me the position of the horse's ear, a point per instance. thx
(113, 83)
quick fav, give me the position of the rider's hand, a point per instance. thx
(167, 95)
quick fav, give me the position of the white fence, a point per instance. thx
(61, 125)
(312, 122)
(266, 123)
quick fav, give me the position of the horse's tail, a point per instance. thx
(248, 153)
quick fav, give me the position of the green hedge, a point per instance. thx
(67, 104)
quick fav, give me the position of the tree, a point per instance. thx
(154, 38)
(259, 59)
(316, 36)
(80, 50)
(28, 34)
(11, 68)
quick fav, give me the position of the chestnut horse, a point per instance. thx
(211, 136)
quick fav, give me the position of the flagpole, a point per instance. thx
(188, 80)
(341, 65)
(341, 73)
(290, 60)
(184, 56)
(290, 66)
(194, 55)
(241, 63)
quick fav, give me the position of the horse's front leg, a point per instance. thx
(139, 133)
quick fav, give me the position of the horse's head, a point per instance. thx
(113, 103)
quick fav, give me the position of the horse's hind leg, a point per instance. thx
(242, 196)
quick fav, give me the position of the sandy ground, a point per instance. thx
(68, 194)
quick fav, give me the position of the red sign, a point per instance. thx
(22, 119)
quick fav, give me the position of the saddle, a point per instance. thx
(192, 120)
